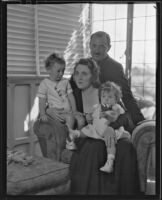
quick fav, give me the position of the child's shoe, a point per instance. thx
(70, 145)
(108, 167)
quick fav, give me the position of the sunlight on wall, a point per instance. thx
(32, 116)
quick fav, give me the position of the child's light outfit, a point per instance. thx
(99, 125)
(55, 93)
(98, 130)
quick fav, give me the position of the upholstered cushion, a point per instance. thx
(44, 174)
(143, 138)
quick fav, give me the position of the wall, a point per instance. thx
(22, 111)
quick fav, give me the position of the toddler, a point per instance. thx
(103, 114)
(56, 92)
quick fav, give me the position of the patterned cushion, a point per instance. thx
(143, 138)
(44, 174)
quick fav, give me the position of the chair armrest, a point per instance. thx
(143, 139)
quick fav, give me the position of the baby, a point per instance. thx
(103, 114)
(56, 92)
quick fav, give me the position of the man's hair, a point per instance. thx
(52, 59)
(111, 87)
(93, 67)
(101, 34)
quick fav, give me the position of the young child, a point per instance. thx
(103, 114)
(55, 92)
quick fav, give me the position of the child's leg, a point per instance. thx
(70, 120)
(110, 141)
(80, 121)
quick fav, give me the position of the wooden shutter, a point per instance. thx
(20, 39)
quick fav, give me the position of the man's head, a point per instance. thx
(99, 45)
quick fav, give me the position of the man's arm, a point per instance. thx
(128, 99)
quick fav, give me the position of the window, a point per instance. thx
(113, 19)
(144, 51)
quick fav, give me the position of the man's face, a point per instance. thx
(99, 48)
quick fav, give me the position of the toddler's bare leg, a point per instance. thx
(110, 140)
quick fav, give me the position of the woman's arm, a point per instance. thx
(42, 107)
(72, 102)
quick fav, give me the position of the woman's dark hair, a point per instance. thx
(52, 59)
(110, 87)
(93, 67)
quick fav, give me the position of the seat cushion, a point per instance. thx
(43, 174)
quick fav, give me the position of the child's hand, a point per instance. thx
(44, 118)
(89, 118)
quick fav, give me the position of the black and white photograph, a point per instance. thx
(81, 111)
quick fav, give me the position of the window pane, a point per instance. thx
(139, 10)
(151, 10)
(149, 93)
(112, 50)
(137, 91)
(138, 52)
(139, 28)
(149, 77)
(97, 12)
(109, 27)
(121, 10)
(120, 51)
(109, 12)
(150, 28)
(150, 51)
(137, 75)
(97, 25)
(121, 28)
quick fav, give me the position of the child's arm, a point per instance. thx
(42, 106)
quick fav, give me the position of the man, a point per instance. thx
(111, 70)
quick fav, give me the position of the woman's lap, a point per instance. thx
(88, 179)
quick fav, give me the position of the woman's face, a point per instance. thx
(83, 76)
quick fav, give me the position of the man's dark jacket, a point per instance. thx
(111, 70)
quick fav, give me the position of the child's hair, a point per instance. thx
(111, 87)
(93, 67)
(52, 59)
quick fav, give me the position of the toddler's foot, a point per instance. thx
(70, 145)
(108, 167)
(73, 134)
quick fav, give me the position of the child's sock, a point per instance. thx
(108, 167)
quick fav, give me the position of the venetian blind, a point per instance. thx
(60, 29)
(35, 31)
(20, 39)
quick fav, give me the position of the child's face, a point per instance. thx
(56, 71)
(108, 98)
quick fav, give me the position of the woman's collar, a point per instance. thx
(88, 90)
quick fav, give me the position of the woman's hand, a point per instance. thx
(43, 118)
(89, 118)
(78, 113)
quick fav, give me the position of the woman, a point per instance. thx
(86, 178)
